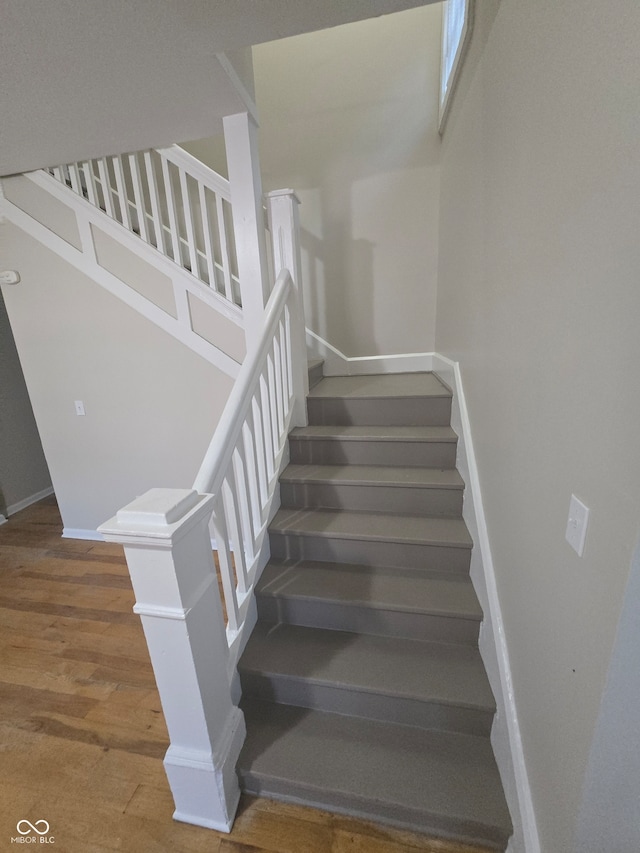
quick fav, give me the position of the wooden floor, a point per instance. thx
(82, 734)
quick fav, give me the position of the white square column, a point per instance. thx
(168, 549)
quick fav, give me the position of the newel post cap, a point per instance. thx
(286, 193)
(157, 514)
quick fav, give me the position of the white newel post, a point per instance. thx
(168, 549)
(245, 184)
(284, 224)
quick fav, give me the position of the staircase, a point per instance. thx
(363, 688)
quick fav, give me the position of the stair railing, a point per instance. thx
(197, 616)
(242, 464)
(172, 202)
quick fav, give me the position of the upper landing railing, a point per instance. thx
(172, 202)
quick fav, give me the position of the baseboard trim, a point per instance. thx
(3, 519)
(336, 363)
(80, 533)
(25, 502)
(505, 737)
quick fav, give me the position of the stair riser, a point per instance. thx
(423, 454)
(315, 375)
(366, 620)
(302, 693)
(398, 411)
(377, 812)
(391, 499)
(370, 553)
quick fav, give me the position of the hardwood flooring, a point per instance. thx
(82, 734)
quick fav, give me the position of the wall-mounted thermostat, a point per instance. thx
(9, 277)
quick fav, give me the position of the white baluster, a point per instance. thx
(284, 370)
(288, 353)
(106, 187)
(224, 248)
(171, 208)
(254, 418)
(284, 223)
(232, 514)
(206, 233)
(87, 171)
(277, 370)
(138, 196)
(188, 221)
(121, 192)
(241, 478)
(273, 403)
(265, 414)
(154, 199)
(75, 178)
(249, 440)
(225, 561)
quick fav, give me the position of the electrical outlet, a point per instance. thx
(577, 525)
(9, 277)
(79, 407)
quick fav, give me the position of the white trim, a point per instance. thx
(506, 739)
(157, 611)
(3, 519)
(114, 229)
(118, 288)
(336, 363)
(25, 502)
(80, 533)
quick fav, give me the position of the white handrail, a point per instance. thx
(172, 202)
(242, 463)
(211, 473)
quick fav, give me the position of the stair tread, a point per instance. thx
(381, 385)
(372, 475)
(444, 673)
(373, 587)
(427, 779)
(374, 433)
(373, 526)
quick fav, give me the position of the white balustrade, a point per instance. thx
(243, 461)
(171, 201)
(198, 612)
(196, 633)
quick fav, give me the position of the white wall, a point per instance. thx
(538, 298)
(23, 469)
(348, 118)
(151, 404)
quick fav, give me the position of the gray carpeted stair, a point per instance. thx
(363, 688)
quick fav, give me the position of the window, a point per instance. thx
(456, 31)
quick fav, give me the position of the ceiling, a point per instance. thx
(86, 78)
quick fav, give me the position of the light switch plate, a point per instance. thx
(577, 525)
(79, 407)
